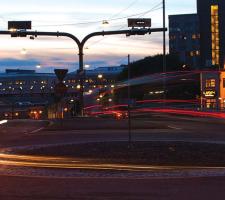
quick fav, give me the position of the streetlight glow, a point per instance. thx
(100, 76)
(86, 66)
(38, 66)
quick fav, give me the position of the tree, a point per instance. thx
(151, 65)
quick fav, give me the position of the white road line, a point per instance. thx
(35, 131)
(176, 128)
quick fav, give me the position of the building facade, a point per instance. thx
(213, 90)
(212, 30)
(184, 38)
(22, 91)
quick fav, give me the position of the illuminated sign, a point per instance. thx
(210, 93)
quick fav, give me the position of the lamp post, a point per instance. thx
(129, 102)
(33, 34)
(164, 49)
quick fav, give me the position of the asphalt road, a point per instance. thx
(178, 129)
(22, 188)
(30, 133)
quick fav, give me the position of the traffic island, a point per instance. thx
(94, 123)
(161, 153)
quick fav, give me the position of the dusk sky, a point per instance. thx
(81, 18)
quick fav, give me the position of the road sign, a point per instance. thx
(61, 74)
(19, 25)
(60, 89)
(139, 22)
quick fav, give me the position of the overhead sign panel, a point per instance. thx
(139, 22)
(19, 25)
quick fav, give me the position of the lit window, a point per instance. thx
(197, 53)
(210, 103)
(215, 34)
(194, 36)
(210, 83)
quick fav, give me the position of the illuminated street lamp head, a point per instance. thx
(78, 86)
(100, 76)
(86, 66)
(38, 66)
(12, 30)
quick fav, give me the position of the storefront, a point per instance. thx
(213, 90)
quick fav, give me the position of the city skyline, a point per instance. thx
(81, 18)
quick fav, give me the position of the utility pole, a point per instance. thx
(164, 49)
(129, 101)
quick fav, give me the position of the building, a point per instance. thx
(213, 90)
(184, 38)
(212, 30)
(18, 82)
(24, 90)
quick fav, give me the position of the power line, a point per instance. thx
(123, 10)
(154, 8)
(100, 21)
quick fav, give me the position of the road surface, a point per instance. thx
(33, 182)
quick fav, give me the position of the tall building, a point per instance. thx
(184, 38)
(212, 30)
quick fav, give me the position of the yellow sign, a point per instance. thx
(210, 93)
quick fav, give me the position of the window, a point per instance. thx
(215, 34)
(211, 103)
(210, 83)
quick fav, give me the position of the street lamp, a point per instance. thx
(19, 29)
(100, 76)
(86, 66)
(38, 66)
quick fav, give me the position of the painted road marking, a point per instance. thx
(174, 127)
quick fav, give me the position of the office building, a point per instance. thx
(184, 38)
(212, 30)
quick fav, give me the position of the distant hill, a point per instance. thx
(151, 65)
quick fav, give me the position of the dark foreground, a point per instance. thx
(149, 153)
(18, 188)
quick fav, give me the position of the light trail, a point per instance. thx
(3, 122)
(184, 112)
(70, 163)
(113, 110)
